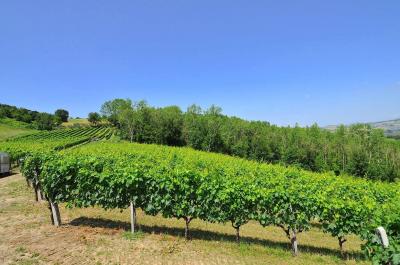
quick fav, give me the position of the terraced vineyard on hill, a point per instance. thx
(187, 184)
(54, 140)
(85, 132)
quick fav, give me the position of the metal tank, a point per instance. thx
(4, 163)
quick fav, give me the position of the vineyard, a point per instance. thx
(53, 140)
(186, 184)
(79, 133)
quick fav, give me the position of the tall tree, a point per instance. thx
(94, 118)
(62, 114)
(169, 125)
(213, 122)
(127, 119)
(194, 127)
(45, 121)
(112, 109)
(359, 150)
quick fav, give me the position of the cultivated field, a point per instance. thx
(194, 205)
(96, 236)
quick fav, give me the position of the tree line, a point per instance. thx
(358, 150)
(35, 119)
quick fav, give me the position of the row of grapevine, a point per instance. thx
(67, 133)
(187, 184)
(54, 140)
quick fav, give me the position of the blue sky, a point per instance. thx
(318, 61)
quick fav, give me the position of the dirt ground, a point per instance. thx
(96, 236)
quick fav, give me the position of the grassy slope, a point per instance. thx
(80, 121)
(96, 236)
(10, 128)
(72, 122)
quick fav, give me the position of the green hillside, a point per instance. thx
(10, 128)
(390, 127)
(75, 122)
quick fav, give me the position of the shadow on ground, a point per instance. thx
(4, 175)
(210, 236)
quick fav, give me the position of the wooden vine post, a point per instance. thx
(187, 222)
(55, 211)
(35, 190)
(293, 240)
(133, 217)
(237, 234)
(237, 230)
(341, 240)
(36, 186)
(51, 212)
(39, 195)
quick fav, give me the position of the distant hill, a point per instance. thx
(391, 127)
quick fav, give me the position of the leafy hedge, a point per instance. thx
(187, 184)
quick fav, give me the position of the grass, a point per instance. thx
(97, 236)
(11, 128)
(24, 257)
(128, 235)
(81, 122)
(76, 122)
(14, 123)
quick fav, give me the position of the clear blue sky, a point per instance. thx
(281, 61)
